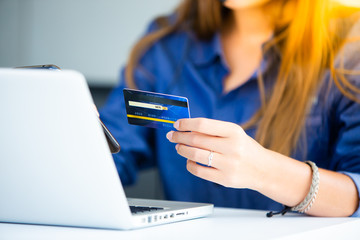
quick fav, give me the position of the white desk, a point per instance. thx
(223, 224)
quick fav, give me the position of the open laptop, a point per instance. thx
(55, 164)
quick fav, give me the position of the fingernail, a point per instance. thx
(176, 124)
(169, 135)
(176, 146)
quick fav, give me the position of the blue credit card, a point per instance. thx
(154, 110)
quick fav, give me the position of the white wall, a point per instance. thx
(91, 36)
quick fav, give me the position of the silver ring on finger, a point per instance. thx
(211, 155)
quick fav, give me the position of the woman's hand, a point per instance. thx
(238, 161)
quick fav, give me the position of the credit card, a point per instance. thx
(154, 110)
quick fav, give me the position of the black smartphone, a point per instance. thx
(113, 144)
(46, 66)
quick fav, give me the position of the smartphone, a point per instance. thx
(113, 144)
(46, 66)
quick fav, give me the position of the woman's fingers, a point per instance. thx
(210, 174)
(197, 140)
(207, 126)
(202, 156)
(234, 157)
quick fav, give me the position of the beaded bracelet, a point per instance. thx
(309, 200)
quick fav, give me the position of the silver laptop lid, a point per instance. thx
(55, 165)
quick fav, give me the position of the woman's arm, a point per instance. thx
(136, 150)
(290, 183)
(240, 162)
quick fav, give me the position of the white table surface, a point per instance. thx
(225, 223)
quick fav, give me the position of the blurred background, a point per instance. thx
(93, 37)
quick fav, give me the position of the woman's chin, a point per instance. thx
(244, 4)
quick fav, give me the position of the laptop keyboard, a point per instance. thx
(140, 209)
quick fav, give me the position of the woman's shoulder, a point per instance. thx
(172, 40)
(160, 59)
(346, 76)
(348, 56)
(179, 45)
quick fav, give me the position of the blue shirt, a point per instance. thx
(180, 64)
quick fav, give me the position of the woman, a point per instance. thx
(278, 78)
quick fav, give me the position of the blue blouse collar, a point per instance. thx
(205, 52)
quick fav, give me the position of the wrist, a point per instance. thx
(283, 179)
(265, 168)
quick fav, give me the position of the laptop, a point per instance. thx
(55, 164)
